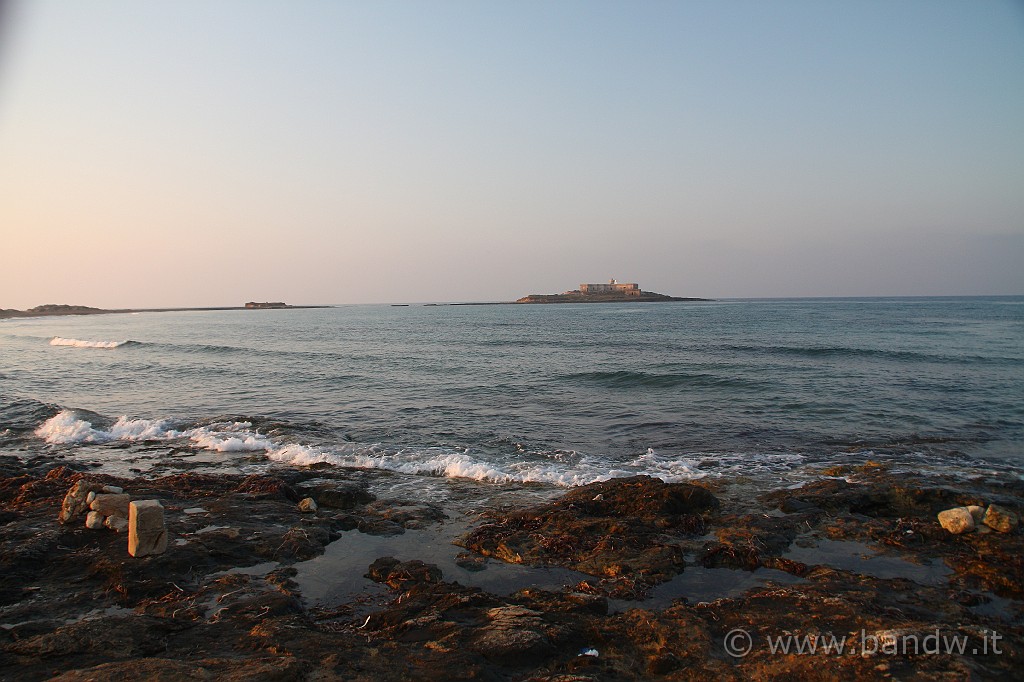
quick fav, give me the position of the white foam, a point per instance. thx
(443, 462)
(65, 427)
(568, 469)
(226, 442)
(670, 470)
(142, 429)
(77, 343)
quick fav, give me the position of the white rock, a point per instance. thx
(977, 512)
(90, 497)
(110, 504)
(957, 520)
(146, 531)
(94, 520)
(75, 502)
(113, 489)
(307, 505)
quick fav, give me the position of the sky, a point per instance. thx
(194, 153)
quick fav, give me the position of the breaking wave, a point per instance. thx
(445, 462)
(78, 343)
(69, 428)
(66, 427)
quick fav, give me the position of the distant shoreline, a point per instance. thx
(58, 310)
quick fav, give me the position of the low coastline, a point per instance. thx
(57, 310)
(636, 579)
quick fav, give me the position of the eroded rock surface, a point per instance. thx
(222, 603)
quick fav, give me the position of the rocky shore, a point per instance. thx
(858, 554)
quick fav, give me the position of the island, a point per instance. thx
(266, 305)
(612, 292)
(61, 309)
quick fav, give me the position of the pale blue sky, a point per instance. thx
(212, 152)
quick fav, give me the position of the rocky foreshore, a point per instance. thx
(858, 556)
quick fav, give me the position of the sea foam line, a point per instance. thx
(78, 343)
(67, 427)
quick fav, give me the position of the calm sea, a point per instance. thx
(557, 394)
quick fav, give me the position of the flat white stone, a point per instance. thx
(146, 531)
(111, 504)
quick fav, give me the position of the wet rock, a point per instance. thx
(299, 543)
(514, 634)
(260, 487)
(111, 504)
(957, 520)
(377, 526)
(624, 528)
(1000, 518)
(146, 531)
(641, 496)
(307, 505)
(793, 505)
(278, 668)
(879, 497)
(76, 501)
(470, 562)
(403, 574)
(341, 495)
(410, 515)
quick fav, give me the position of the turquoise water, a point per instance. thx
(561, 394)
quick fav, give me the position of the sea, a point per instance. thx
(773, 392)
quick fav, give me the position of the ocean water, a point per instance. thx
(558, 395)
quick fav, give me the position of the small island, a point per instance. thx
(266, 305)
(612, 292)
(52, 309)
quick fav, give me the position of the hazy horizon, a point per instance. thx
(173, 154)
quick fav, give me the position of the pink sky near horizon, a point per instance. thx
(162, 154)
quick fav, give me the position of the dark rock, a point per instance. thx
(375, 526)
(513, 635)
(403, 574)
(641, 496)
(260, 487)
(411, 515)
(470, 562)
(793, 505)
(616, 529)
(340, 495)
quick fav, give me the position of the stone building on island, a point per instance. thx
(612, 287)
(265, 305)
(612, 292)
